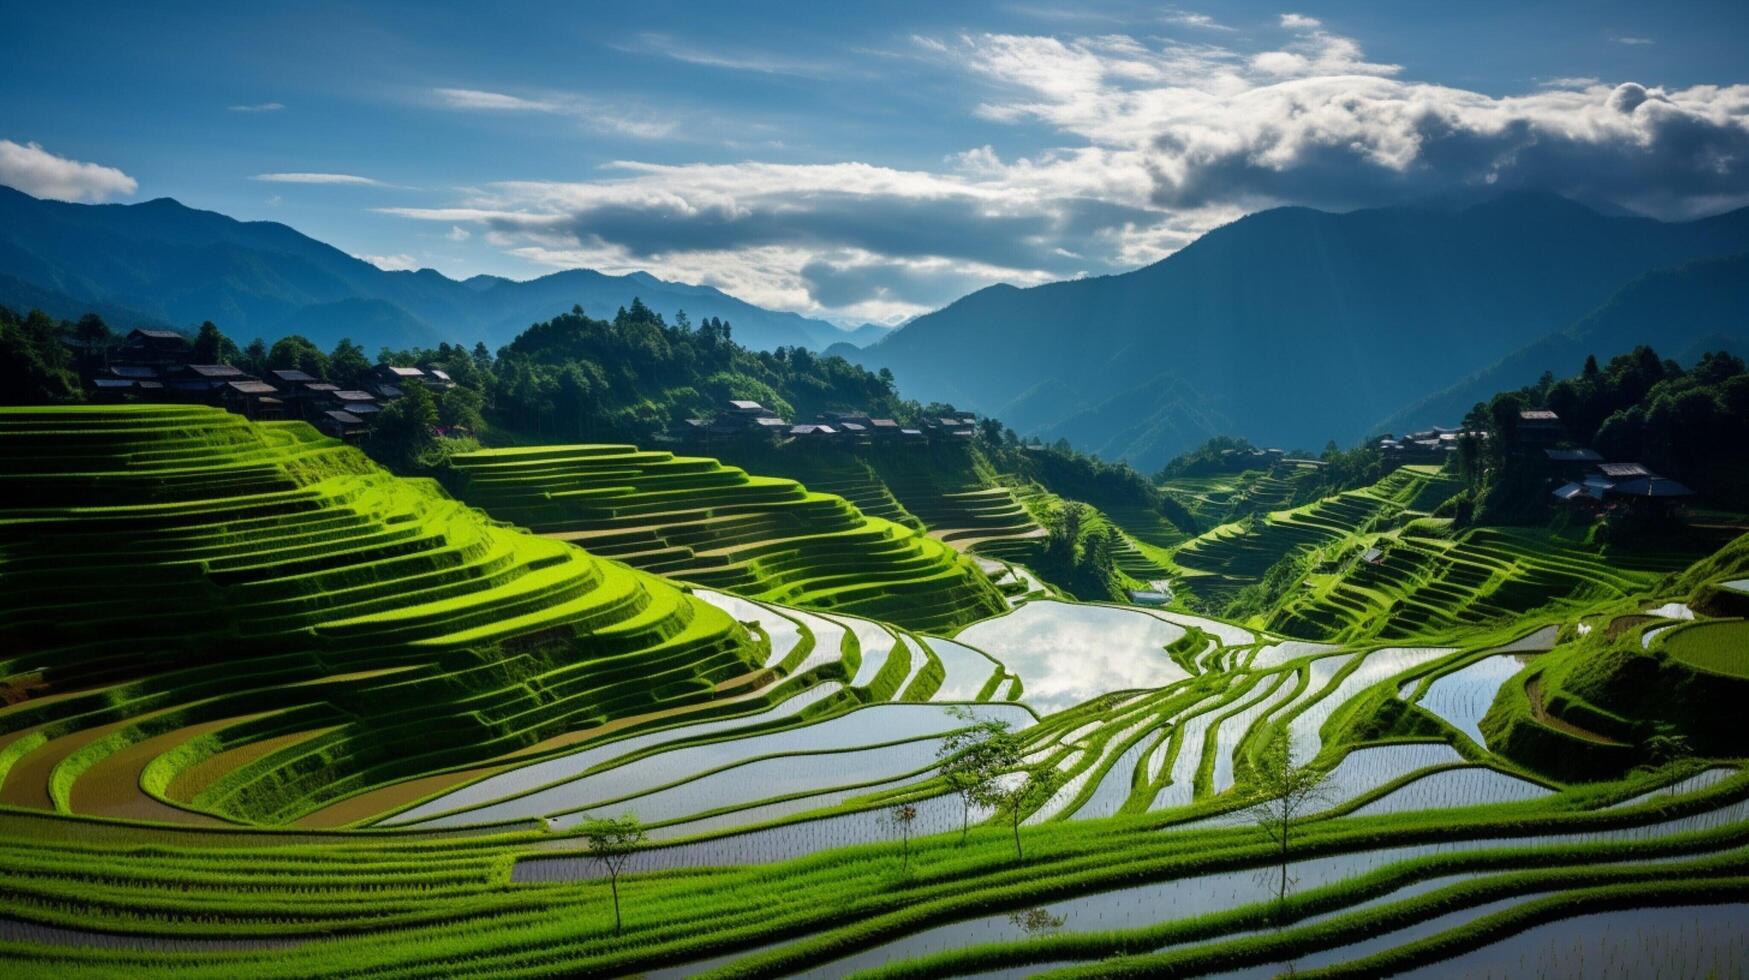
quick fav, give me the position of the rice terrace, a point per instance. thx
(888, 491)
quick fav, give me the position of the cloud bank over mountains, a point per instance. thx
(1158, 140)
(34, 170)
(1094, 152)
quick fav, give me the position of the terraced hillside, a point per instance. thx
(772, 851)
(208, 622)
(1138, 562)
(695, 519)
(1228, 558)
(830, 470)
(253, 621)
(1225, 497)
(1426, 582)
(970, 511)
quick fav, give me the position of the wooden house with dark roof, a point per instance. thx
(289, 378)
(1540, 427)
(388, 380)
(813, 432)
(341, 424)
(253, 399)
(204, 383)
(154, 348)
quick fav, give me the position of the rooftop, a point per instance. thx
(1622, 471)
(215, 370)
(1651, 486)
(1573, 455)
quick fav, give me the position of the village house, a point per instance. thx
(253, 399)
(388, 380)
(1629, 485)
(341, 424)
(1540, 427)
(202, 382)
(154, 348)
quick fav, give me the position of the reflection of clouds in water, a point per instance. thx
(1066, 654)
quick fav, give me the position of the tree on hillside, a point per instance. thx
(402, 431)
(35, 368)
(347, 365)
(296, 353)
(612, 841)
(93, 338)
(903, 817)
(213, 347)
(460, 407)
(1018, 794)
(1288, 791)
(254, 357)
(971, 759)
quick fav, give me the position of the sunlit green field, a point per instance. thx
(270, 711)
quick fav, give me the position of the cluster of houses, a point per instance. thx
(1251, 459)
(743, 420)
(1581, 478)
(1434, 445)
(1584, 481)
(158, 366)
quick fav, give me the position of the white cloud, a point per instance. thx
(1186, 18)
(1153, 142)
(468, 98)
(34, 170)
(1634, 40)
(717, 57)
(597, 116)
(392, 263)
(319, 178)
(1575, 81)
(256, 107)
(458, 234)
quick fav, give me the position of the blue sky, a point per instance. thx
(858, 161)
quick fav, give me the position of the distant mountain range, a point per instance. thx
(1294, 326)
(160, 263)
(1290, 326)
(1683, 312)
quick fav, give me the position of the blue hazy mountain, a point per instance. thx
(159, 262)
(1290, 326)
(1683, 312)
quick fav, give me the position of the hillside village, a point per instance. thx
(156, 366)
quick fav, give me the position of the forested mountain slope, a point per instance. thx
(161, 262)
(1254, 327)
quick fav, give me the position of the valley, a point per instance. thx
(299, 715)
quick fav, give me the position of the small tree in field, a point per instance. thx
(611, 843)
(903, 816)
(972, 758)
(1288, 791)
(1014, 798)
